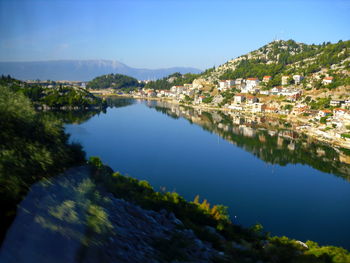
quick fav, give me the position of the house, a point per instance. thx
(151, 93)
(324, 113)
(222, 85)
(199, 99)
(251, 83)
(258, 107)
(327, 80)
(239, 81)
(251, 99)
(276, 90)
(336, 103)
(341, 113)
(264, 92)
(239, 98)
(284, 80)
(271, 109)
(297, 79)
(226, 84)
(266, 79)
(298, 109)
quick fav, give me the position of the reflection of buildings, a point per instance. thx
(265, 137)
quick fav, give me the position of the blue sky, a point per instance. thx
(162, 33)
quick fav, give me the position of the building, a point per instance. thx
(266, 79)
(251, 99)
(327, 80)
(297, 79)
(336, 103)
(226, 84)
(239, 81)
(239, 98)
(251, 83)
(324, 113)
(258, 107)
(284, 80)
(341, 113)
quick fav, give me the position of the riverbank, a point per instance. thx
(298, 124)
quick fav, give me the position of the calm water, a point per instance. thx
(266, 174)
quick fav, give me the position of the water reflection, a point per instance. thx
(272, 140)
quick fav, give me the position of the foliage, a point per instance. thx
(199, 215)
(32, 146)
(175, 79)
(115, 81)
(56, 97)
(345, 135)
(280, 56)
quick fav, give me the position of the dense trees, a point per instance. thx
(115, 81)
(55, 97)
(32, 146)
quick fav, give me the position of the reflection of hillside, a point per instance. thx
(70, 117)
(79, 117)
(119, 102)
(268, 139)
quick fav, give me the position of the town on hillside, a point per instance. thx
(295, 100)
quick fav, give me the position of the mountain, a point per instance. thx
(82, 70)
(282, 57)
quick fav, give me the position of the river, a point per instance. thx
(264, 172)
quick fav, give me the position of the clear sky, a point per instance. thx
(163, 33)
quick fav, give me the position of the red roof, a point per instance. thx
(328, 78)
(267, 77)
(339, 109)
(252, 79)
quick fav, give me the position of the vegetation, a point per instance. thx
(58, 97)
(202, 219)
(32, 146)
(288, 57)
(115, 81)
(175, 79)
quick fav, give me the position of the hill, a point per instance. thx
(115, 81)
(55, 96)
(285, 58)
(82, 70)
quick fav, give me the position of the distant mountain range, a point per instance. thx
(82, 70)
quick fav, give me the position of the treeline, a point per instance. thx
(57, 97)
(115, 81)
(172, 80)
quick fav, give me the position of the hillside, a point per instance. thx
(82, 70)
(56, 96)
(286, 58)
(114, 81)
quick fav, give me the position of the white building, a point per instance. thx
(239, 98)
(266, 79)
(284, 80)
(327, 80)
(258, 107)
(297, 79)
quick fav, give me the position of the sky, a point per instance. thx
(163, 33)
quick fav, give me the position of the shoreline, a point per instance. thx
(311, 132)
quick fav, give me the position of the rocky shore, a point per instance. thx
(62, 220)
